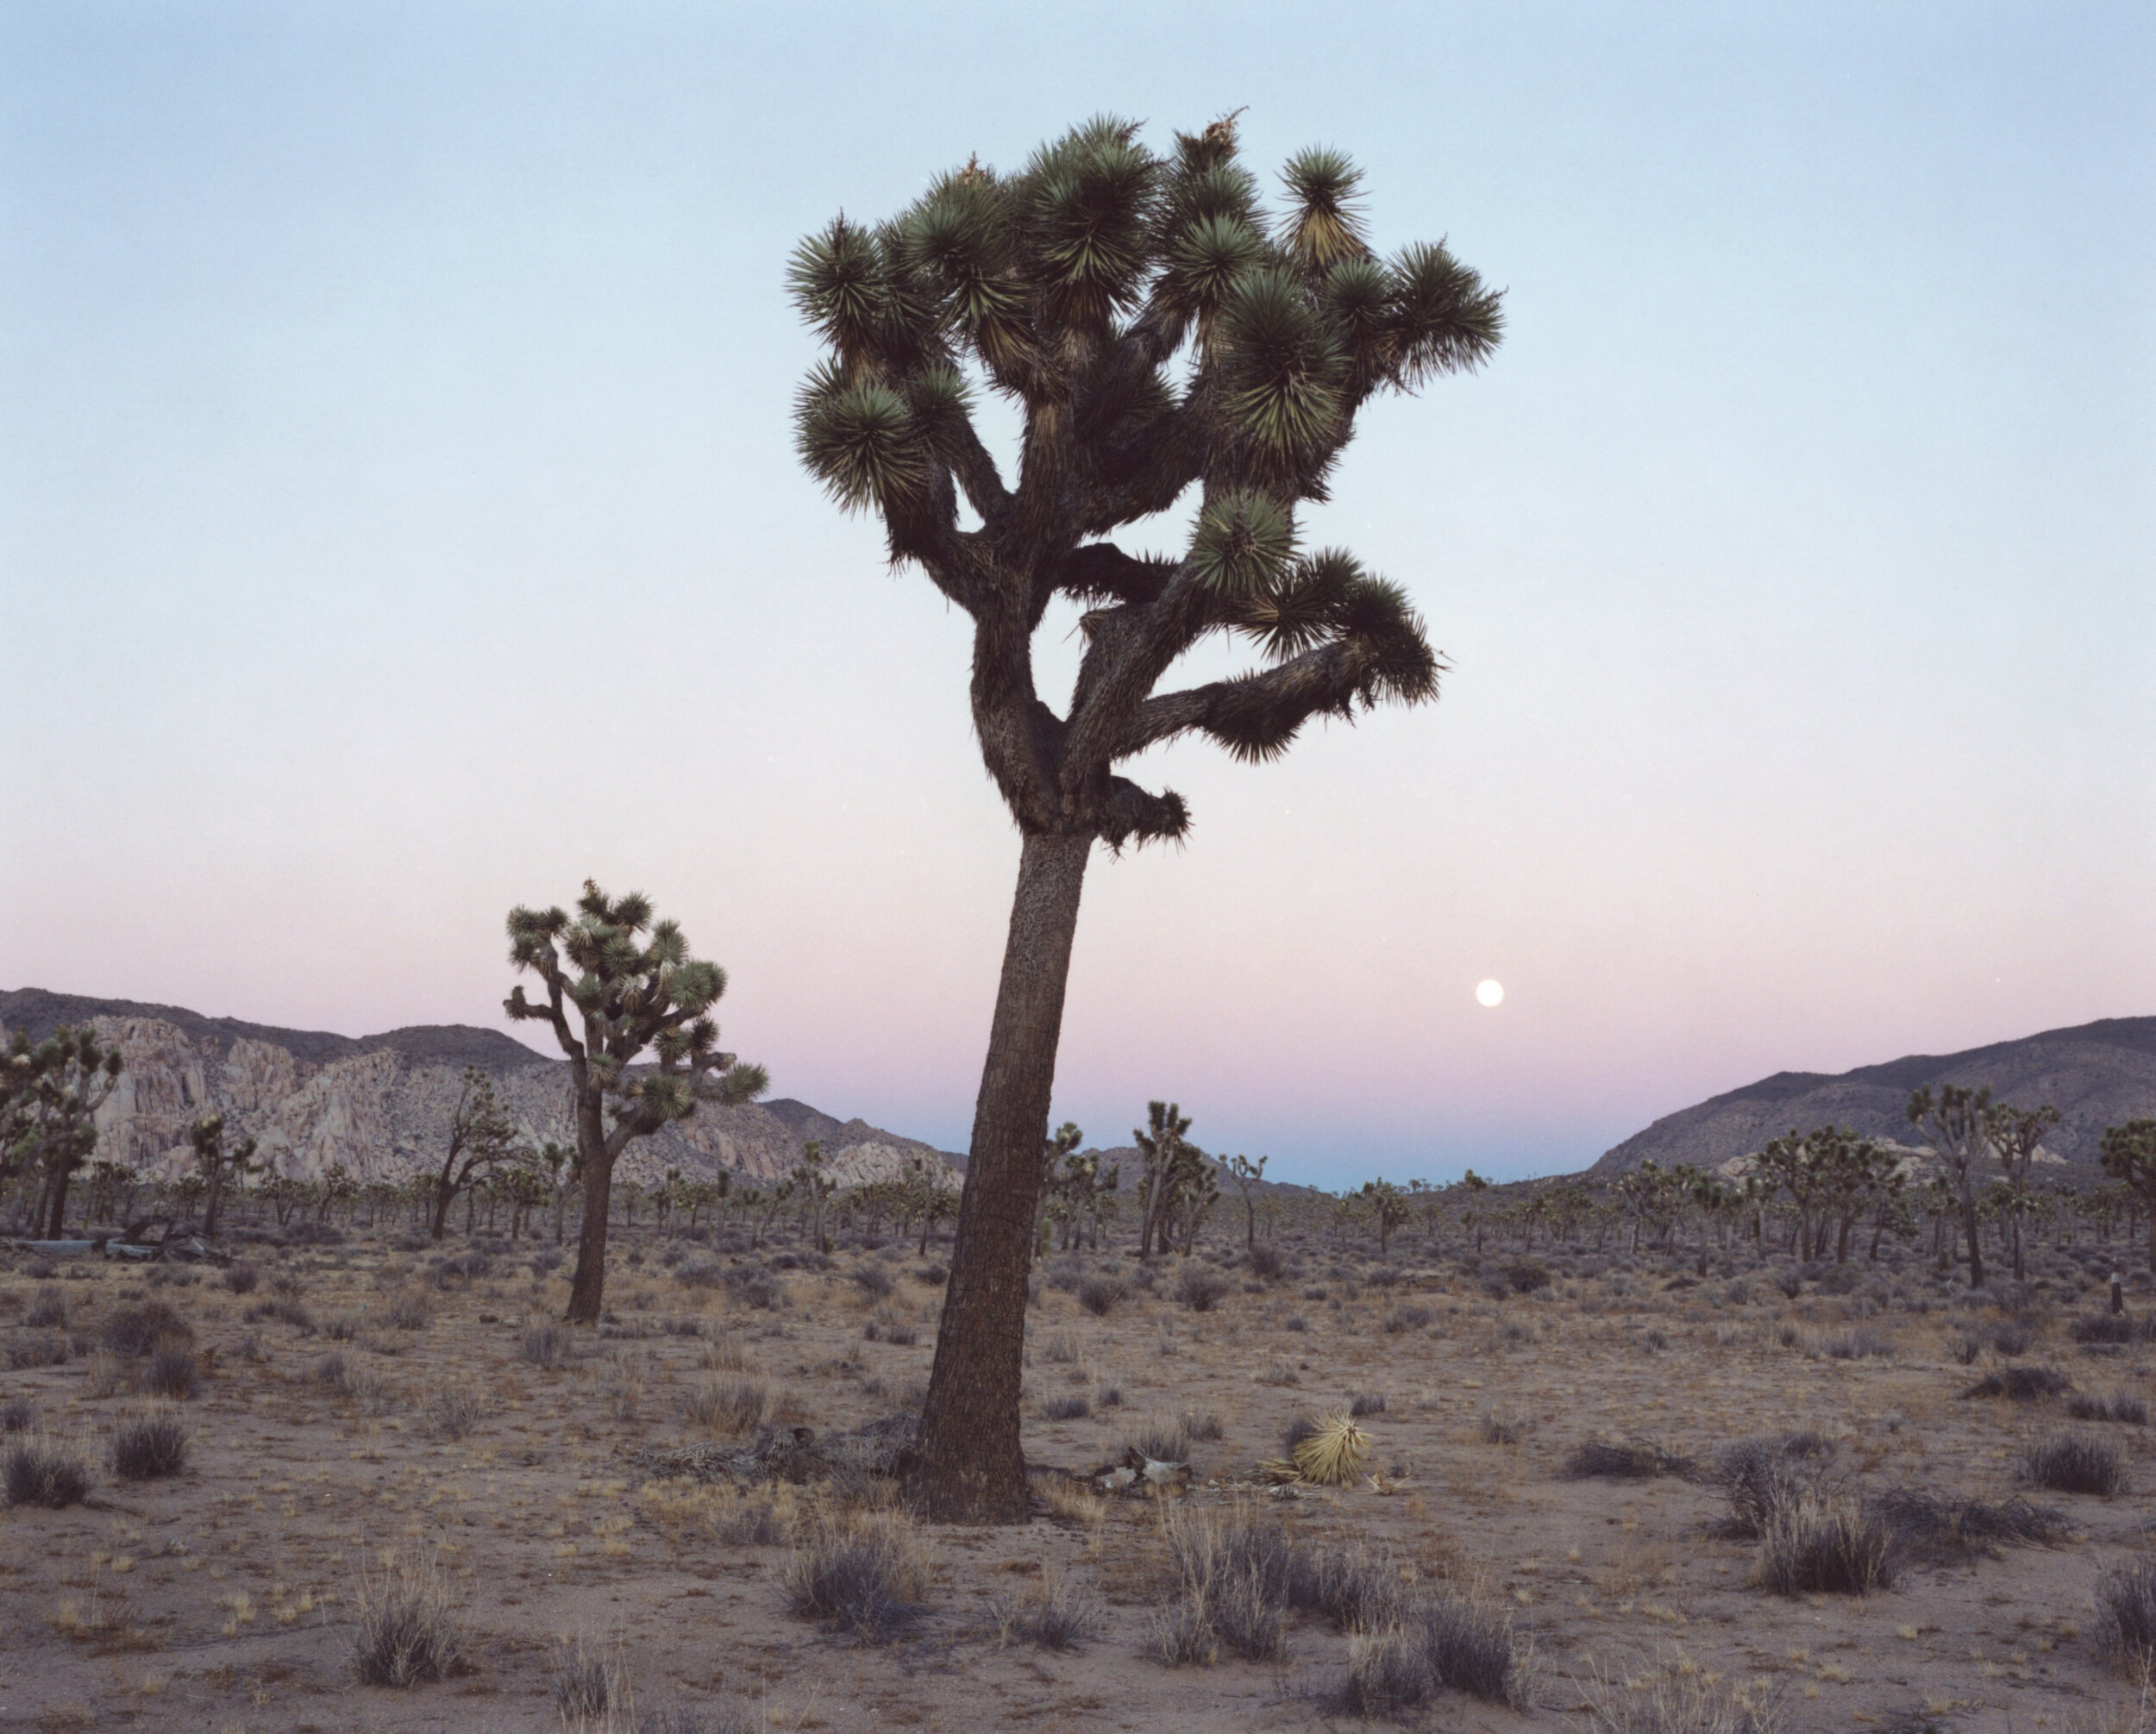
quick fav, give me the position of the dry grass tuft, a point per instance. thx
(405, 1629)
(2125, 1617)
(730, 1407)
(1443, 1643)
(1625, 1460)
(592, 1692)
(1674, 1695)
(864, 1573)
(38, 1470)
(551, 1347)
(1050, 1612)
(1816, 1545)
(2075, 1463)
(149, 1445)
(2021, 1384)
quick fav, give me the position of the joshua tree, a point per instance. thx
(217, 1165)
(1058, 1173)
(629, 993)
(1160, 336)
(480, 1142)
(2129, 1157)
(50, 1092)
(1162, 1147)
(815, 1187)
(2014, 1135)
(1952, 1124)
(1246, 1175)
(1389, 1208)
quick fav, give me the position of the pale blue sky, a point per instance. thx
(397, 520)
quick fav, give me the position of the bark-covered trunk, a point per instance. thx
(1968, 1221)
(968, 1466)
(444, 1193)
(56, 1215)
(587, 1289)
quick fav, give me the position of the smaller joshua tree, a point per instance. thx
(50, 1092)
(482, 1143)
(219, 1165)
(629, 992)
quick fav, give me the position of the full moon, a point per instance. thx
(1489, 993)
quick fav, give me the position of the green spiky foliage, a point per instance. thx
(2128, 1153)
(50, 1092)
(1175, 351)
(631, 986)
(1163, 337)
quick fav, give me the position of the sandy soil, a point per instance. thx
(222, 1598)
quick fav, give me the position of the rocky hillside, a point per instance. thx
(380, 1105)
(2095, 1074)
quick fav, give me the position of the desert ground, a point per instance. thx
(382, 1418)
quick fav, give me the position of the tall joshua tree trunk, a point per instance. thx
(970, 1465)
(1165, 337)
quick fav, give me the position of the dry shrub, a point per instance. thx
(1674, 1695)
(2118, 1406)
(2125, 1617)
(1161, 1442)
(48, 1309)
(242, 1279)
(551, 1347)
(38, 1470)
(405, 1629)
(1815, 1545)
(864, 1573)
(728, 1407)
(1099, 1295)
(148, 1445)
(1926, 1523)
(136, 1331)
(453, 1411)
(1050, 1612)
(1200, 1288)
(407, 1309)
(2075, 1463)
(1441, 1643)
(18, 1415)
(592, 1692)
(171, 1370)
(2021, 1384)
(350, 1379)
(721, 1355)
(1072, 1408)
(1625, 1460)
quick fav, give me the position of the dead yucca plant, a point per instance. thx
(1334, 1452)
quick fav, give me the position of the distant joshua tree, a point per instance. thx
(1952, 1124)
(1158, 332)
(218, 1167)
(482, 1142)
(628, 993)
(2129, 1157)
(50, 1092)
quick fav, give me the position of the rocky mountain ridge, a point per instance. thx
(2095, 1074)
(380, 1106)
